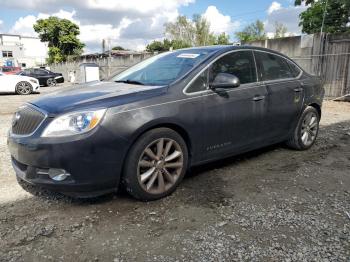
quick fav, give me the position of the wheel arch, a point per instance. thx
(317, 107)
(167, 124)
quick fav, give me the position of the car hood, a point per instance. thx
(95, 95)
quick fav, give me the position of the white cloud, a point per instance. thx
(274, 7)
(24, 26)
(100, 9)
(131, 23)
(141, 6)
(219, 23)
(288, 16)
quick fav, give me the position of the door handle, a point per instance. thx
(298, 89)
(258, 98)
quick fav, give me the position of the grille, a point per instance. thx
(26, 120)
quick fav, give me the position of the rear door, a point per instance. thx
(285, 94)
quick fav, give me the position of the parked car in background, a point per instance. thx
(147, 125)
(10, 70)
(22, 85)
(45, 77)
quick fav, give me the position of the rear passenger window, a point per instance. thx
(273, 67)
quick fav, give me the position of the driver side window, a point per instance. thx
(240, 63)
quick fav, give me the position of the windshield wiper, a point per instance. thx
(134, 82)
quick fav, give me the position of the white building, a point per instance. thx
(22, 51)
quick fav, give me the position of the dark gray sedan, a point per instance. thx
(146, 126)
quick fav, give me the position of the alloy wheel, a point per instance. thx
(24, 88)
(51, 82)
(309, 129)
(160, 166)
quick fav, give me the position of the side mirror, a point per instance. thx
(224, 80)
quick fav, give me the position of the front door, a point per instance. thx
(231, 117)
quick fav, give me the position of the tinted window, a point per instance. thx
(240, 64)
(294, 68)
(273, 67)
(40, 72)
(25, 72)
(200, 84)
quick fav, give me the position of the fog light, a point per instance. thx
(58, 174)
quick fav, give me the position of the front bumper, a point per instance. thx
(93, 160)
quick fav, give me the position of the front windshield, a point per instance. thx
(164, 68)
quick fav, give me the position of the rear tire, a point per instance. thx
(155, 165)
(24, 88)
(305, 133)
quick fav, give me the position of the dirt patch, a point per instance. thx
(271, 204)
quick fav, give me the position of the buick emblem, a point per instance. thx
(15, 119)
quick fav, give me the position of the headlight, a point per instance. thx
(33, 81)
(74, 123)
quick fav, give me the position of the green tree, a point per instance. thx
(202, 33)
(178, 44)
(181, 30)
(166, 45)
(62, 38)
(336, 15)
(280, 30)
(252, 32)
(118, 47)
(223, 39)
(195, 32)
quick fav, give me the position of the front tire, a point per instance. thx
(24, 88)
(305, 133)
(51, 82)
(155, 165)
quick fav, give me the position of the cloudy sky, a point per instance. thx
(134, 23)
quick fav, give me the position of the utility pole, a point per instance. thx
(324, 16)
(109, 56)
(321, 59)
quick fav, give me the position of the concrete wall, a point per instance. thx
(299, 48)
(326, 55)
(108, 66)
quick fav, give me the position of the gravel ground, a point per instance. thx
(273, 204)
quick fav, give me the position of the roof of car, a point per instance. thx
(224, 48)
